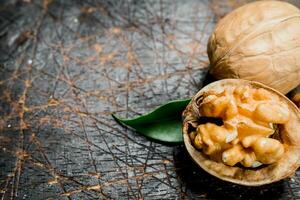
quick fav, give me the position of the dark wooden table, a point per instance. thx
(66, 65)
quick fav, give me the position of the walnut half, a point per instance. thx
(243, 132)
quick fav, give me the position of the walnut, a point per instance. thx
(260, 42)
(243, 132)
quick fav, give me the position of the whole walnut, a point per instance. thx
(259, 41)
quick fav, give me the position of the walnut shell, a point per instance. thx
(258, 41)
(289, 135)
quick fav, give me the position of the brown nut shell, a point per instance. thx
(289, 134)
(260, 42)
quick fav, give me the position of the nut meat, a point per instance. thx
(243, 132)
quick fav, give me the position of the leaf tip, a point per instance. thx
(116, 118)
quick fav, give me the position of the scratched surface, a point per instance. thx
(66, 65)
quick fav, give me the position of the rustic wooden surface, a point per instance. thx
(66, 65)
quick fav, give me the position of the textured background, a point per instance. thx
(66, 65)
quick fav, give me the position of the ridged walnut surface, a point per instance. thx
(260, 42)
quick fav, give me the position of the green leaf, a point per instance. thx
(162, 124)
